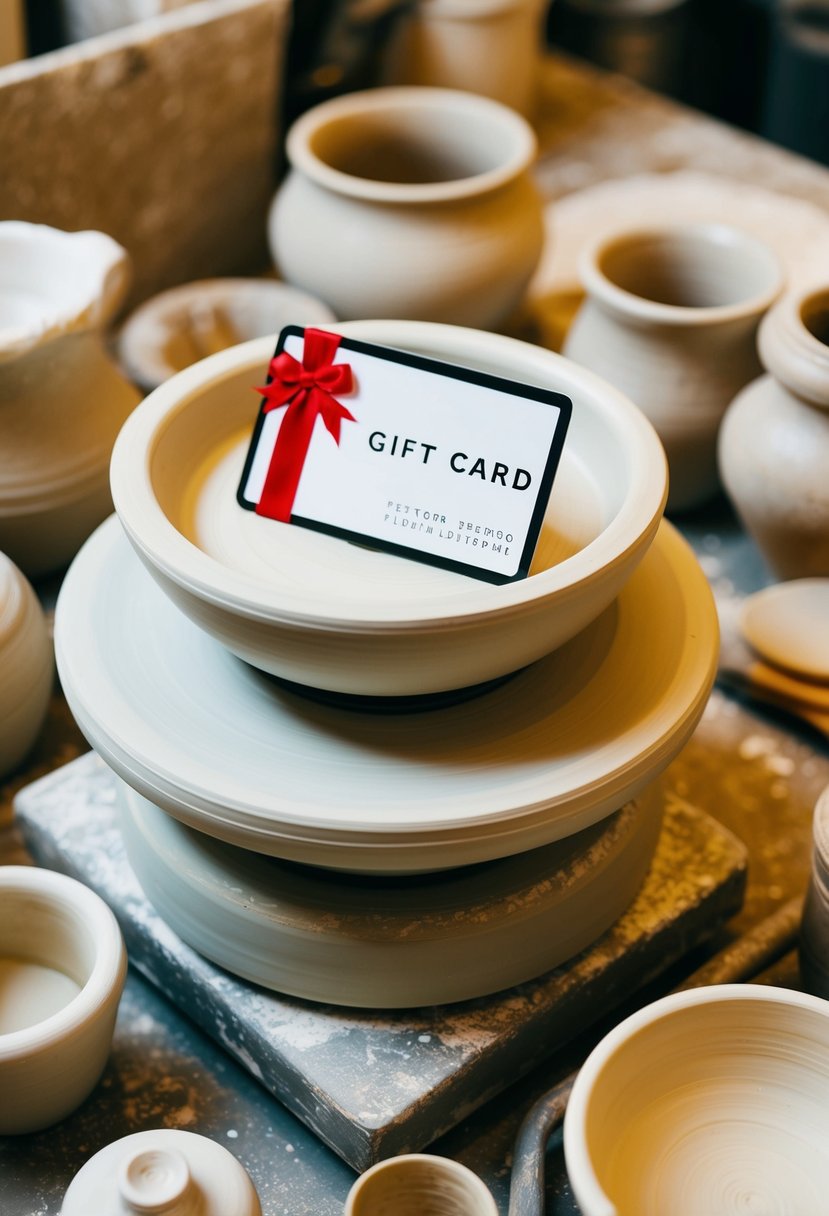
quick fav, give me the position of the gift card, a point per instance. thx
(435, 462)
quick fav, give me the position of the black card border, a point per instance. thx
(451, 370)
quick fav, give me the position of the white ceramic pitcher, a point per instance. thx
(62, 399)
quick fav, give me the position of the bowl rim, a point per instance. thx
(178, 559)
(109, 968)
(581, 1171)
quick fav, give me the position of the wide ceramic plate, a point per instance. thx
(226, 749)
(390, 943)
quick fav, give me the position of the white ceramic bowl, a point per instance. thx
(26, 666)
(178, 327)
(62, 968)
(321, 612)
(711, 1101)
(419, 1184)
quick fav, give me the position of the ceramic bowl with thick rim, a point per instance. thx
(398, 944)
(62, 968)
(321, 612)
(713, 1100)
(229, 751)
(419, 1184)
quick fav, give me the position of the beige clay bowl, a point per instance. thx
(62, 968)
(712, 1101)
(321, 612)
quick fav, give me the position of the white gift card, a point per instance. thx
(434, 462)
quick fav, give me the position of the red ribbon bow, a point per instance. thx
(307, 389)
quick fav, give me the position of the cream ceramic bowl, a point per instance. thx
(26, 666)
(419, 1184)
(62, 968)
(321, 612)
(711, 1101)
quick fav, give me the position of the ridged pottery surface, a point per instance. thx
(162, 1171)
(227, 750)
(178, 327)
(670, 318)
(26, 666)
(410, 203)
(711, 1101)
(419, 1184)
(814, 936)
(482, 46)
(62, 399)
(62, 968)
(319, 611)
(774, 445)
(401, 943)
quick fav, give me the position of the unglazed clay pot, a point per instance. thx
(671, 318)
(62, 968)
(62, 399)
(410, 203)
(714, 1101)
(774, 445)
(26, 666)
(419, 1184)
(482, 46)
(163, 1172)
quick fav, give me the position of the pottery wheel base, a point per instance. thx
(370, 1084)
(390, 943)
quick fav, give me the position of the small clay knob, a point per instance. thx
(155, 1181)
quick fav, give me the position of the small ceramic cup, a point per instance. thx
(410, 203)
(419, 1184)
(814, 932)
(62, 969)
(671, 318)
(714, 1100)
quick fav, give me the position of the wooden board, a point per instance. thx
(371, 1085)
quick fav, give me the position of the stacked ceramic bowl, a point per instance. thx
(389, 719)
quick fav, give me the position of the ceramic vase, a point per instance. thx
(62, 399)
(482, 46)
(774, 446)
(26, 666)
(410, 203)
(670, 318)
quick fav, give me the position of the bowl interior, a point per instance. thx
(716, 1108)
(47, 955)
(196, 459)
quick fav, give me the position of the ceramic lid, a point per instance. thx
(225, 748)
(788, 625)
(165, 1171)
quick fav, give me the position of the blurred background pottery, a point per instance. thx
(709, 1100)
(410, 203)
(26, 666)
(814, 932)
(774, 445)
(180, 326)
(490, 47)
(162, 1171)
(62, 399)
(671, 318)
(62, 968)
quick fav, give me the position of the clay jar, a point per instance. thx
(26, 666)
(484, 46)
(62, 399)
(410, 203)
(671, 318)
(774, 446)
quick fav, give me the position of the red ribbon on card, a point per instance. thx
(307, 389)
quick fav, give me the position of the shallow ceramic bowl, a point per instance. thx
(711, 1101)
(26, 666)
(178, 327)
(49, 1065)
(332, 615)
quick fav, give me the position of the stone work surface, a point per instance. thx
(373, 1084)
(164, 135)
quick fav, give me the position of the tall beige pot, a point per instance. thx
(670, 318)
(774, 444)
